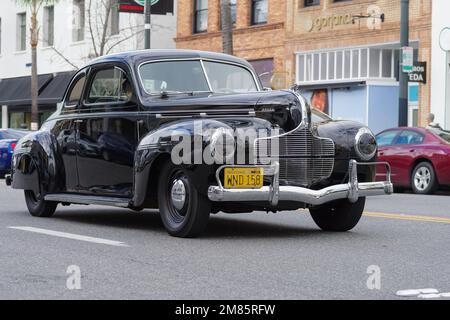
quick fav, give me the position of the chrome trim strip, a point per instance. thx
(352, 190)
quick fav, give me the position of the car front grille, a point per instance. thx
(304, 158)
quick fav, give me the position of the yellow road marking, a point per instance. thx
(397, 216)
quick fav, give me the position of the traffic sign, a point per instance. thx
(408, 59)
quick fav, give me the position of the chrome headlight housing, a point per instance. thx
(365, 144)
(223, 145)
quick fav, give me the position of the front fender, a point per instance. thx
(159, 144)
(37, 165)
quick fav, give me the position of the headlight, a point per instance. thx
(223, 145)
(365, 144)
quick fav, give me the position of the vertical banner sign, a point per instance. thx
(418, 73)
(407, 54)
(161, 7)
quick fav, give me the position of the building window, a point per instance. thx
(348, 64)
(200, 16)
(21, 34)
(0, 36)
(310, 3)
(259, 11)
(114, 20)
(78, 22)
(49, 25)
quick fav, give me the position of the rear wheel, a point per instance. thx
(38, 207)
(423, 179)
(338, 216)
(184, 211)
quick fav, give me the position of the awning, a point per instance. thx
(338, 85)
(51, 88)
(54, 91)
(17, 91)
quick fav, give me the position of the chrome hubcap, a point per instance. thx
(422, 178)
(178, 194)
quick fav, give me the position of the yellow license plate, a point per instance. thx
(244, 178)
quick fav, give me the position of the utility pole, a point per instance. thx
(148, 23)
(403, 76)
(227, 26)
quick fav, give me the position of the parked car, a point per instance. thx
(419, 157)
(8, 141)
(175, 111)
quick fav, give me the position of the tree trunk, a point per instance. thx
(34, 78)
(227, 26)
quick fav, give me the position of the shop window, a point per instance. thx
(348, 64)
(339, 56)
(331, 65)
(364, 63)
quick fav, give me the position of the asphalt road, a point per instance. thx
(251, 256)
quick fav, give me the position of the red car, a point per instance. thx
(419, 158)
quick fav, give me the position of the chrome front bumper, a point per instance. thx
(274, 193)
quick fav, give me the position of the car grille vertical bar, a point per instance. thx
(304, 158)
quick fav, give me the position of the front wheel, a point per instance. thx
(184, 211)
(338, 216)
(38, 207)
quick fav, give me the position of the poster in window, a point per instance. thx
(319, 100)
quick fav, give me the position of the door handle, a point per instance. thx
(78, 121)
(381, 153)
(412, 150)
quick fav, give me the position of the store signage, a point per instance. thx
(408, 58)
(418, 73)
(161, 7)
(329, 22)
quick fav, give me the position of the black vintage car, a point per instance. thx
(139, 130)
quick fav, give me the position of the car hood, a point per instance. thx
(275, 106)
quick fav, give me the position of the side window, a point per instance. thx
(76, 91)
(386, 138)
(110, 85)
(409, 137)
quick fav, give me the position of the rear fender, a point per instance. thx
(36, 164)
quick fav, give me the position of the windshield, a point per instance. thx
(12, 134)
(443, 134)
(189, 76)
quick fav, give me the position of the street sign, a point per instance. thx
(418, 73)
(408, 58)
(161, 7)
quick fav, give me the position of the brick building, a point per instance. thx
(259, 34)
(341, 53)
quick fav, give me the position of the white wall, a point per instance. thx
(13, 63)
(440, 92)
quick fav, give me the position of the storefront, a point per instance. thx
(15, 98)
(344, 55)
(356, 83)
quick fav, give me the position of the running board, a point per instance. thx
(87, 199)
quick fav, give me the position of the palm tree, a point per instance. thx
(227, 26)
(34, 7)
